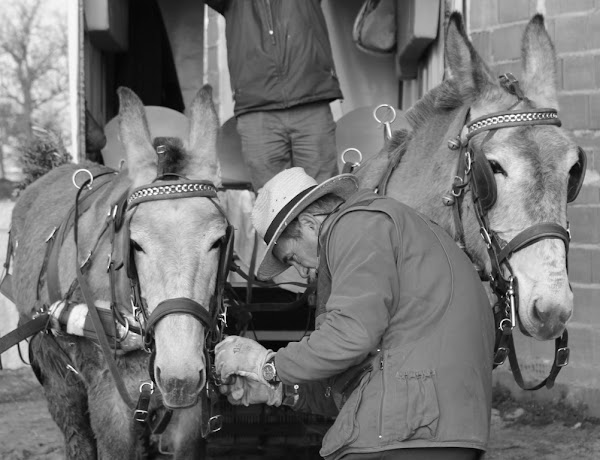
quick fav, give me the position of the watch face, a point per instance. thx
(268, 372)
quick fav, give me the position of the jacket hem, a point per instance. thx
(283, 106)
(406, 445)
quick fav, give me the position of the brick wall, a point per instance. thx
(496, 27)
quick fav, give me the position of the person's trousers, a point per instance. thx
(431, 453)
(302, 136)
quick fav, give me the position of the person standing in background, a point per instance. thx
(283, 79)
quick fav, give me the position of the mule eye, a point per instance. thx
(136, 246)
(496, 168)
(217, 244)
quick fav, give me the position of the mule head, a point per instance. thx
(531, 167)
(176, 241)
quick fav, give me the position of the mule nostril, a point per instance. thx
(539, 315)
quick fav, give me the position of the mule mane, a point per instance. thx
(445, 96)
(174, 158)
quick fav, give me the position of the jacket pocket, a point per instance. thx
(412, 411)
(422, 410)
(344, 430)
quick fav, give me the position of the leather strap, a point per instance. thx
(32, 327)
(96, 321)
(532, 235)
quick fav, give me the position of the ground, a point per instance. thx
(520, 431)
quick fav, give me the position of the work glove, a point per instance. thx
(241, 356)
(246, 391)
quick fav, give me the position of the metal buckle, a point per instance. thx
(215, 423)
(457, 185)
(500, 356)
(140, 415)
(562, 357)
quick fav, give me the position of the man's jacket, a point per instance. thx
(402, 292)
(278, 53)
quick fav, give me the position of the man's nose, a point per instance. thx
(303, 271)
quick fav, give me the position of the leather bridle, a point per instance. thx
(121, 260)
(474, 172)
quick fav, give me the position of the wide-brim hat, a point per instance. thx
(282, 199)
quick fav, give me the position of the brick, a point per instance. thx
(595, 111)
(506, 42)
(597, 70)
(595, 257)
(481, 42)
(578, 72)
(594, 30)
(586, 310)
(582, 342)
(571, 6)
(571, 33)
(483, 14)
(588, 195)
(585, 224)
(580, 265)
(559, 73)
(574, 111)
(512, 11)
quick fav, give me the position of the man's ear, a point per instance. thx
(308, 221)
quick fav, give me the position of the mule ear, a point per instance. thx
(463, 65)
(539, 64)
(135, 136)
(202, 142)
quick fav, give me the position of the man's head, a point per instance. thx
(288, 214)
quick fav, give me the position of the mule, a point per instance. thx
(533, 169)
(175, 249)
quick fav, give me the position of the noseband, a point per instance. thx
(474, 171)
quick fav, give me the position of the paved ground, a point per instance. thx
(519, 432)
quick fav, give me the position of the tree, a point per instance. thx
(34, 77)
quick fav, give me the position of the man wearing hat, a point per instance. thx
(403, 351)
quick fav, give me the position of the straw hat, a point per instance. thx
(282, 199)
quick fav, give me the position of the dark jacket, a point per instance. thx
(403, 293)
(278, 53)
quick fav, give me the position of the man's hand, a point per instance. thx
(245, 391)
(241, 356)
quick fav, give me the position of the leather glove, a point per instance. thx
(241, 356)
(246, 391)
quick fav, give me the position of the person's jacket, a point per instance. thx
(401, 289)
(278, 53)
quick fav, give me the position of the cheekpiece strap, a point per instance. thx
(509, 119)
(170, 190)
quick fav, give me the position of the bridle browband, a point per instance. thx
(474, 170)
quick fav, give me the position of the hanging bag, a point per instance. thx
(374, 30)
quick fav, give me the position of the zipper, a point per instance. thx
(270, 21)
(382, 397)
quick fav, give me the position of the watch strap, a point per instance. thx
(291, 394)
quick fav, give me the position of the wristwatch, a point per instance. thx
(269, 373)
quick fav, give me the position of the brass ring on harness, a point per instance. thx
(85, 171)
(360, 157)
(388, 107)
